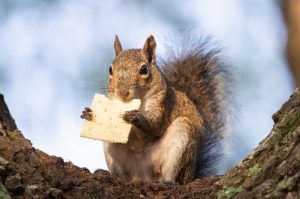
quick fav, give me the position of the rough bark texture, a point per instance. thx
(291, 13)
(272, 170)
(7, 123)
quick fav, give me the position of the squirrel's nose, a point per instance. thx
(123, 93)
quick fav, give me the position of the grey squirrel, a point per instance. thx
(179, 126)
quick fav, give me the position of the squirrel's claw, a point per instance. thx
(88, 109)
(132, 116)
(87, 114)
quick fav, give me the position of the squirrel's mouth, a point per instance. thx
(124, 95)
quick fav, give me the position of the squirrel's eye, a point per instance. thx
(144, 70)
(110, 70)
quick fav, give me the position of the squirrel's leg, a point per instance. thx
(188, 163)
(144, 121)
(149, 117)
(167, 154)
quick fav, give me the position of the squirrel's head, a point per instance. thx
(133, 71)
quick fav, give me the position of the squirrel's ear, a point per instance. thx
(149, 48)
(117, 45)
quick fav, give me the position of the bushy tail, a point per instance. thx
(196, 69)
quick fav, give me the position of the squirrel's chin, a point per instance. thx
(128, 99)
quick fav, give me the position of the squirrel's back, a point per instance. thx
(194, 68)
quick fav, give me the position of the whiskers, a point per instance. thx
(88, 89)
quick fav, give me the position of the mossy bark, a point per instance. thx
(272, 170)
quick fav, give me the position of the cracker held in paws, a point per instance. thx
(106, 122)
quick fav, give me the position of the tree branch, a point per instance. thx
(7, 123)
(272, 170)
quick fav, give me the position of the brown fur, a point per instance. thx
(179, 107)
(194, 66)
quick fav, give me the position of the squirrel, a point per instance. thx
(178, 129)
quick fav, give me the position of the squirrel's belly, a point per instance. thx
(128, 165)
(138, 141)
(159, 161)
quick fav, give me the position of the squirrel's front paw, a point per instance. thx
(132, 116)
(87, 114)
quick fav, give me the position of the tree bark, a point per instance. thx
(272, 170)
(7, 123)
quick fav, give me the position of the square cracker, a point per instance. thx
(107, 123)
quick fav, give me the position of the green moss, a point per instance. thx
(229, 192)
(238, 181)
(292, 122)
(282, 165)
(266, 188)
(269, 187)
(31, 187)
(254, 170)
(287, 184)
(17, 176)
(4, 193)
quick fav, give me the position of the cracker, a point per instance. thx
(107, 123)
